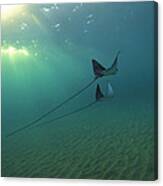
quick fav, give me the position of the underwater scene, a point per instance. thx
(79, 91)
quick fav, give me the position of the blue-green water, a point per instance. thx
(46, 56)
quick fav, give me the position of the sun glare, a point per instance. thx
(13, 52)
(8, 11)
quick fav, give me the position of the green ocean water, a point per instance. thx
(46, 56)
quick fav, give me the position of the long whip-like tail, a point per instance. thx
(67, 114)
(53, 109)
(54, 119)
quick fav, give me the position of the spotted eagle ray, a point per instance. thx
(98, 95)
(99, 71)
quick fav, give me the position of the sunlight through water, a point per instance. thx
(8, 11)
(13, 52)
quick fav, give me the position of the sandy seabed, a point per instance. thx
(94, 144)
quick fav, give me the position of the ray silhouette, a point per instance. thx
(99, 71)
